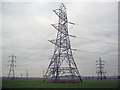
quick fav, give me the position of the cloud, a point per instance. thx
(26, 29)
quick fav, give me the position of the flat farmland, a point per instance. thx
(36, 83)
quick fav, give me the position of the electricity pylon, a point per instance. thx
(12, 65)
(100, 69)
(21, 75)
(26, 74)
(62, 52)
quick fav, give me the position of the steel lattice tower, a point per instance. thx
(100, 69)
(62, 52)
(26, 74)
(12, 65)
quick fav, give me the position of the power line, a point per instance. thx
(95, 52)
(35, 52)
(36, 44)
(40, 50)
(42, 40)
(113, 43)
(44, 47)
(94, 28)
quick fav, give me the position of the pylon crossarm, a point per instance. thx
(65, 33)
(57, 28)
(58, 44)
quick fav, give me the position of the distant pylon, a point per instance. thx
(26, 74)
(100, 69)
(12, 65)
(62, 52)
(21, 75)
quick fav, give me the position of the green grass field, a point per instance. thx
(109, 83)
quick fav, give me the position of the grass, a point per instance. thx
(109, 83)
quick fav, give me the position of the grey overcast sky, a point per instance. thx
(26, 29)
